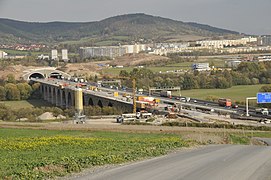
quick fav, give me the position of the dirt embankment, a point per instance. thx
(137, 59)
(89, 69)
(17, 70)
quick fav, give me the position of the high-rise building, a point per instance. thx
(65, 55)
(266, 40)
(54, 54)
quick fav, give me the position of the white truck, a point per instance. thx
(165, 94)
(133, 116)
(263, 111)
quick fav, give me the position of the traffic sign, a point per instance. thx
(264, 97)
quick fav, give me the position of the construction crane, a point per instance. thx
(134, 96)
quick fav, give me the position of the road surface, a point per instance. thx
(213, 162)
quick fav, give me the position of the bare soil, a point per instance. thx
(137, 59)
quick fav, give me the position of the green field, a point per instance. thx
(116, 71)
(187, 65)
(236, 93)
(169, 67)
(26, 104)
(43, 154)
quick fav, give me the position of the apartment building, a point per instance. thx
(226, 43)
(110, 51)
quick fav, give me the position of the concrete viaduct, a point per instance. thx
(64, 97)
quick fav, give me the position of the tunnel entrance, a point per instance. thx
(55, 75)
(36, 76)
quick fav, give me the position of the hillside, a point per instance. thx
(123, 28)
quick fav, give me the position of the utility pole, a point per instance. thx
(134, 96)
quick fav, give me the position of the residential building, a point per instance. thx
(54, 55)
(201, 67)
(110, 51)
(226, 43)
(64, 55)
(233, 63)
(265, 40)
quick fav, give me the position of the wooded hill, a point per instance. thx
(123, 28)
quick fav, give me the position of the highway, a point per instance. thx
(207, 163)
(201, 104)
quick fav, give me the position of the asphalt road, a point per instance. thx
(211, 162)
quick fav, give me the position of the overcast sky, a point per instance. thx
(247, 16)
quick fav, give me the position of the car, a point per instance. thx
(183, 99)
(234, 106)
(195, 101)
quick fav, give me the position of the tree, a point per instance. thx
(266, 88)
(2, 93)
(25, 90)
(12, 92)
(123, 73)
(36, 91)
(227, 75)
(11, 78)
(56, 111)
(189, 82)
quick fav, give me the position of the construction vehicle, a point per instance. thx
(171, 115)
(93, 88)
(141, 105)
(151, 100)
(116, 94)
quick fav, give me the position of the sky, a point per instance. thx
(245, 16)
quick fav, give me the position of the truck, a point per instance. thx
(143, 115)
(165, 94)
(141, 104)
(150, 100)
(224, 102)
(263, 111)
(133, 116)
(140, 91)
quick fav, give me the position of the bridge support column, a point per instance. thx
(57, 98)
(52, 100)
(47, 94)
(61, 100)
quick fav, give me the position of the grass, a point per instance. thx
(116, 71)
(236, 93)
(169, 67)
(26, 104)
(43, 154)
